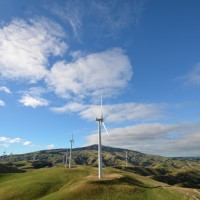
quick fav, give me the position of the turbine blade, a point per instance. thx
(105, 128)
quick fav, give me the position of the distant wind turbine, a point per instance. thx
(126, 156)
(70, 155)
(66, 155)
(100, 123)
(10, 159)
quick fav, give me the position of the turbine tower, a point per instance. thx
(70, 155)
(100, 123)
(66, 155)
(126, 156)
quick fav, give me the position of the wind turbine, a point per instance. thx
(66, 155)
(10, 159)
(70, 155)
(126, 156)
(100, 123)
(4, 155)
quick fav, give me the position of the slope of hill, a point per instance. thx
(81, 183)
(174, 171)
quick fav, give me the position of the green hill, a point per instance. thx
(81, 183)
(184, 172)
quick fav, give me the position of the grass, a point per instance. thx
(81, 183)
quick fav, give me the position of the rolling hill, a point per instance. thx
(184, 172)
(81, 183)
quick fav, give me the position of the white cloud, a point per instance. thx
(25, 47)
(160, 139)
(33, 102)
(2, 103)
(5, 89)
(3, 139)
(15, 140)
(115, 112)
(8, 140)
(50, 146)
(108, 71)
(27, 143)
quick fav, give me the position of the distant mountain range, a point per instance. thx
(111, 157)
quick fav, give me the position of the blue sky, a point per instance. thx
(57, 57)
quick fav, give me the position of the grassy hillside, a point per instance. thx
(184, 172)
(81, 183)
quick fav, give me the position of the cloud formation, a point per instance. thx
(2, 103)
(164, 139)
(50, 146)
(115, 112)
(110, 16)
(27, 143)
(107, 71)
(33, 101)
(26, 52)
(25, 47)
(6, 142)
(5, 89)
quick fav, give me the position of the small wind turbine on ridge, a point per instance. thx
(66, 155)
(100, 123)
(70, 155)
(126, 156)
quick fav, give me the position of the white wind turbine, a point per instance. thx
(70, 155)
(126, 156)
(66, 155)
(100, 123)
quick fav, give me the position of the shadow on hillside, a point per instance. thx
(189, 179)
(8, 169)
(123, 180)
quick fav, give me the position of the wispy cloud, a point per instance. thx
(5, 89)
(32, 97)
(33, 101)
(193, 76)
(27, 143)
(6, 142)
(115, 112)
(160, 139)
(111, 17)
(50, 146)
(25, 47)
(70, 12)
(2, 103)
(108, 71)
(117, 15)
